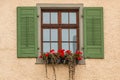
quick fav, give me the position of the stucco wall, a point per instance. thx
(13, 68)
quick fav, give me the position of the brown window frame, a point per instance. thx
(60, 26)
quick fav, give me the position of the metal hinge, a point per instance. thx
(83, 48)
(87, 57)
(38, 48)
(82, 16)
(37, 16)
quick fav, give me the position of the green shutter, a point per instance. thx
(27, 41)
(93, 32)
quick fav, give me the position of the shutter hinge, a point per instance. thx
(82, 16)
(83, 48)
(38, 48)
(37, 16)
(87, 57)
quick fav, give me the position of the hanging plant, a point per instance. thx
(62, 57)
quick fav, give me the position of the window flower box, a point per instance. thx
(61, 57)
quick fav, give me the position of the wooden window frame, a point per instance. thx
(59, 26)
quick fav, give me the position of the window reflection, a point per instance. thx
(54, 35)
(46, 47)
(46, 18)
(65, 46)
(46, 34)
(73, 47)
(64, 34)
(72, 34)
(72, 18)
(54, 46)
(64, 17)
(54, 18)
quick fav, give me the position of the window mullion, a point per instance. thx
(59, 38)
(69, 38)
(77, 38)
(59, 31)
(50, 17)
(50, 39)
(68, 17)
(59, 18)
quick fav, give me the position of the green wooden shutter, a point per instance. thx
(93, 32)
(27, 41)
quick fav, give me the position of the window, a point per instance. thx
(68, 26)
(60, 29)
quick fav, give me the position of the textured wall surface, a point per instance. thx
(13, 68)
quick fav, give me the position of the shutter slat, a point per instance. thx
(27, 31)
(93, 32)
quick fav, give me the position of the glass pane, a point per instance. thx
(54, 18)
(72, 34)
(54, 35)
(73, 47)
(46, 34)
(46, 47)
(54, 46)
(46, 18)
(64, 34)
(72, 18)
(65, 46)
(64, 17)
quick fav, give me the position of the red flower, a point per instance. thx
(78, 52)
(52, 51)
(40, 56)
(47, 54)
(79, 58)
(61, 52)
(68, 52)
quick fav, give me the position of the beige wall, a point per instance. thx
(13, 68)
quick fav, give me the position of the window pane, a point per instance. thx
(64, 17)
(46, 18)
(72, 17)
(46, 47)
(46, 34)
(54, 35)
(72, 34)
(54, 46)
(54, 18)
(73, 47)
(64, 34)
(65, 46)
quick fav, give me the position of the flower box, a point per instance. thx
(61, 57)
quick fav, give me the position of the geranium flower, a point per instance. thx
(40, 56)
(68, 52)
(79, 58)
(47, 54)
(52, 51)
(78, 52)
(61, 52)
